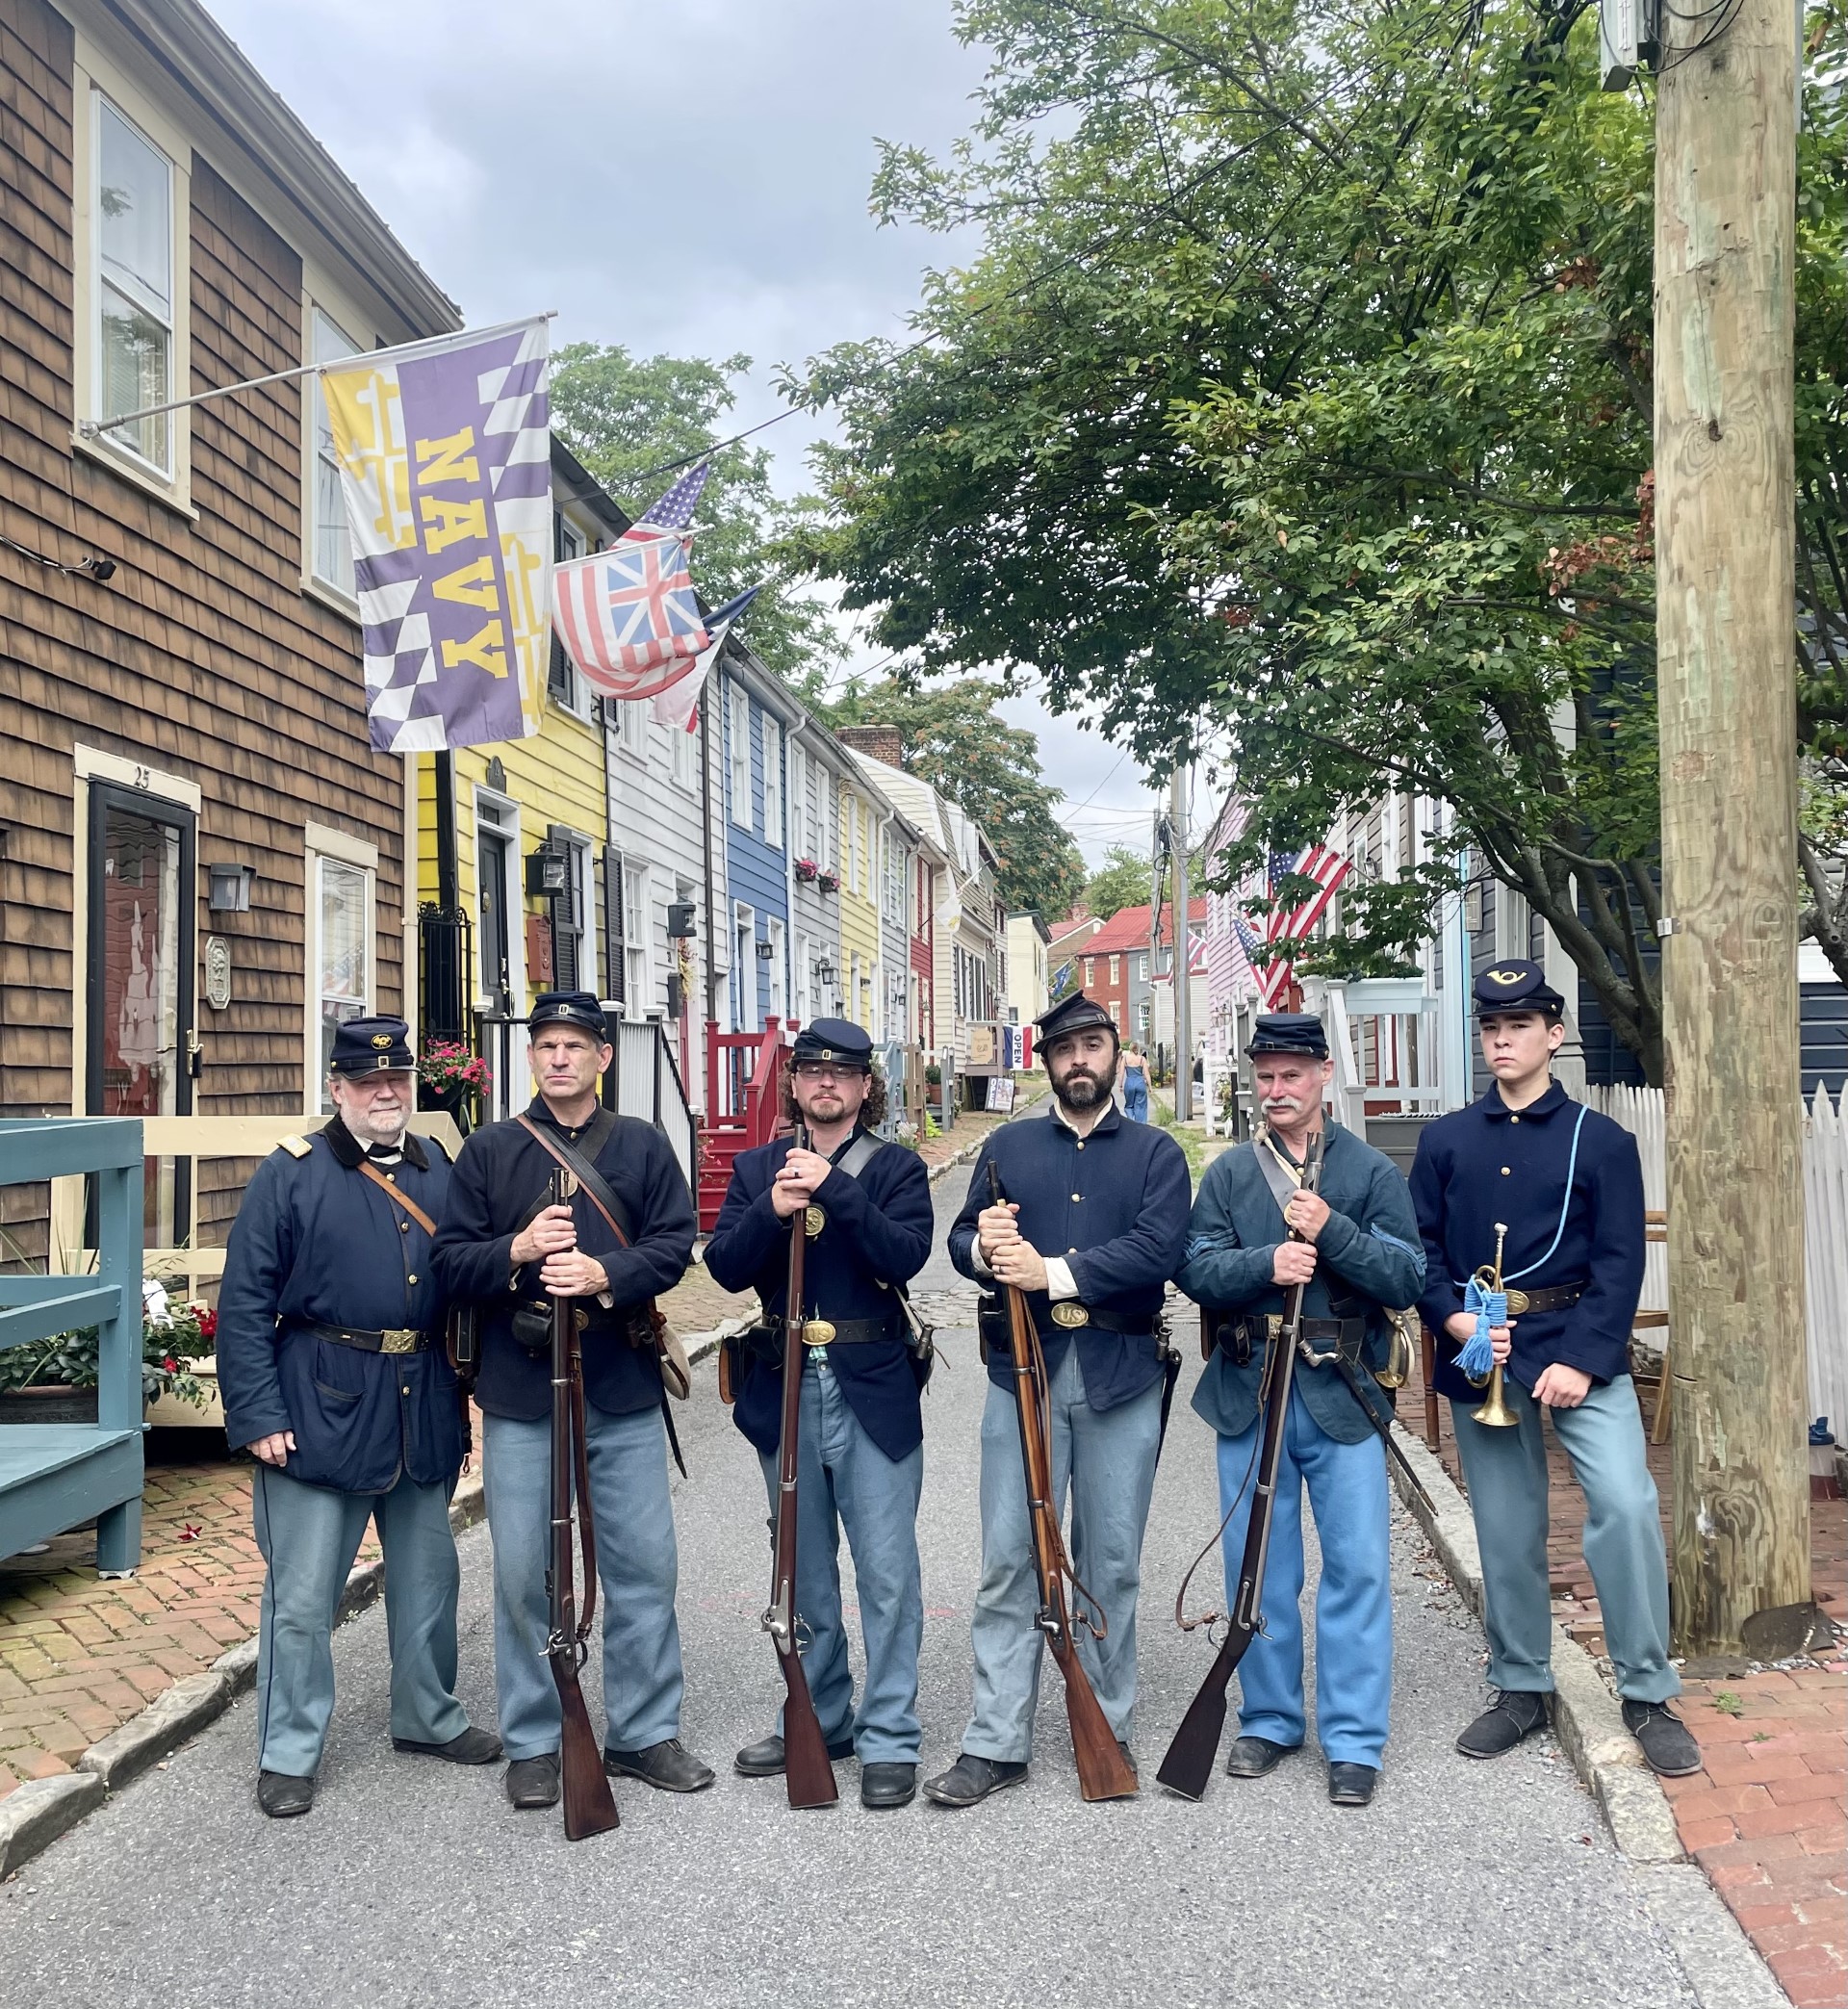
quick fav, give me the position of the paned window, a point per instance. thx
(134, 283)
(343, 958)
(739, 754)
(772, 782)
(331, 560)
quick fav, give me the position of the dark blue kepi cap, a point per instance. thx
(1516, 986)
(1297, 1033)
(1074, 1013)
(836, 1039)
(371, 1046)
(576, 1008)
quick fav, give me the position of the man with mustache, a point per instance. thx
(1358, 1254)
(503, 1246)
(866, 1209)
(1092, 1227)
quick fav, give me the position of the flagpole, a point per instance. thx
(89, 428)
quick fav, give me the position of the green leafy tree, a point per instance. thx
(1298, 410)
(954, 739)
(626, 416)
(1124, 879)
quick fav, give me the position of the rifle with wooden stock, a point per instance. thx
(805, 1769)
(590, 1807)
(1190, 1759)
(1104, 1773)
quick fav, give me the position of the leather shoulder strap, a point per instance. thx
(1278, 1177)
(369, 1170)
(860, 1154)
(602, 1196)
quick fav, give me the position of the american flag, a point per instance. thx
(1327, 868)
(627, 616)
(1247, 948)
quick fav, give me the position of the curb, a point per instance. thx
(1588, 1719)
(1721, 1964)
(35, 1813)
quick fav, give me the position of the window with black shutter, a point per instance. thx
(568, 912)
(615, 963)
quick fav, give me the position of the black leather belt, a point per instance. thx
(1557, 1299)
(841, 1333)
(1076, 1317)
(1346, 1336)
(394, 1339)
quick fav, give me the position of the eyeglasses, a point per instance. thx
(824, 1070)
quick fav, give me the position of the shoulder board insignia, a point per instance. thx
(295, 1147)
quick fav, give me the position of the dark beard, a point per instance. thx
(1079, 1090)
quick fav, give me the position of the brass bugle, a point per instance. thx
(1494, 1411)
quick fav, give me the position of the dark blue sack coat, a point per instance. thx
(316, 1242)
(878, 1235)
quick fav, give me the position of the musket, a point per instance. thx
(1104, 1773)
(1189, 1763)
(805, 1769)
(590, 1807)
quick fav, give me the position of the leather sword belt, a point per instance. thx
(1557, 1299)
(394, 1339)
(1070, 1315)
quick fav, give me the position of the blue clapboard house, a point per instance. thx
(756, 713)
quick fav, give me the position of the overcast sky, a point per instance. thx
(689, 179)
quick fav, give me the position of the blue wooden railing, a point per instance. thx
(56, 1475)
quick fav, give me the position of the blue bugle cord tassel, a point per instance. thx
(1477, 1358)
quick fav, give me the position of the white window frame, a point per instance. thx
(324, 845)
(737, 709)
(773, 782)
(568, 542)
(744, 994)
(799, 818)
(779, 983)
(503, 821)
(637, 898)
(97, 79)
(683, 755)
(805, 979)
(315, 460)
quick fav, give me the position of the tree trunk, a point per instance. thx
(1725, 218)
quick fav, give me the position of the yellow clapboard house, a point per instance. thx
(511, 844)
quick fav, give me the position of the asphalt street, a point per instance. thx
(413, 1882)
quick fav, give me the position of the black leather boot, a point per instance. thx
(972, 1779)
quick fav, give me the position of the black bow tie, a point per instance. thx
(385, 1153)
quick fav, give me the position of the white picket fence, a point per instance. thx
(1825, 1228)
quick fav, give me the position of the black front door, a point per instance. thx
(497, 985)
(140, 1033)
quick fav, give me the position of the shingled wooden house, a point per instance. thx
(201, 862)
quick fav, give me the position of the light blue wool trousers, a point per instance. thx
(1106, 1459)
(846, 1480)
(1346, 1486)
(1506, 1471)
(309, 1536)
(637, 1568)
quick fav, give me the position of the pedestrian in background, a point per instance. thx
(334, 1377)
(1132, 1077)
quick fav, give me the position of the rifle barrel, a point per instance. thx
(808, 1774)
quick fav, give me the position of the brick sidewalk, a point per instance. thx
(1767, 1816)
(80, 1657)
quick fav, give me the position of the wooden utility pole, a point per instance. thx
(1725, 229)
(1183, 1027)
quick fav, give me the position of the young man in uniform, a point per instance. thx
(866, 1208)
(1091, 1224)
(1567, 1185)
(333, 1377)
(1358, 1257)
(505, 1249)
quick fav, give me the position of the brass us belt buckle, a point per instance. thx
(1518, 1302)
(398, 1340)
(813, 1221)
(817, 1332)
(1066, 1313)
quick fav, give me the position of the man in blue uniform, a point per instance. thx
(865, 1207)
(334, 1377)
(1566, 1185)
(503, 1249)
(1093, 1224)
(1359, 1256)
